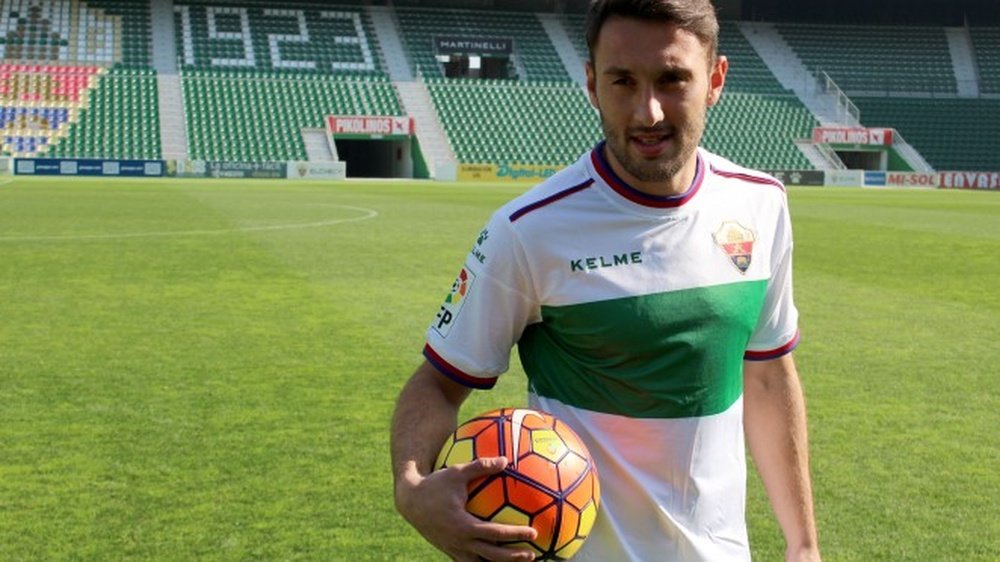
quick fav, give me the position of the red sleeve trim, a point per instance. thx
(773, 353)
(749, 178)
(456, 374)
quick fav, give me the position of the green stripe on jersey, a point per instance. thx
(667, 355)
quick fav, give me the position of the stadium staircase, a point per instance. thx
(434, 143)
(173, 130)
(757, 120)
(413, 96)
(793, 75)
(568, 53)
(387, 32)
(962, 61)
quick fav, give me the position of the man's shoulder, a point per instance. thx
(731, 173)
(543, 196)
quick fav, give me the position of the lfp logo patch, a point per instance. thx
(736, 241)
(454, 302)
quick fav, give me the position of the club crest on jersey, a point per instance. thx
(454, 302)
(736, 241)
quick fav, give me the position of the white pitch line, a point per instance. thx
(368, 214)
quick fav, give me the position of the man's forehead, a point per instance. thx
(633, 43)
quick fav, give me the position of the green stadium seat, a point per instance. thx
(951, 134)
(986, 44)
(108, 94)
(855, 56)
(532, 48)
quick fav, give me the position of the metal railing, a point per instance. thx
(844, 108)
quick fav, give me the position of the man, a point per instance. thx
(648, 290)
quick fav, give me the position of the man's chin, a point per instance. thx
(652, 172)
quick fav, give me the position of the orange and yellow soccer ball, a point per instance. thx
(550, 482)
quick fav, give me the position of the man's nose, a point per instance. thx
(649, 109)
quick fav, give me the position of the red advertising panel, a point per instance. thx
(970, 180)
(369, 126)
(833, 135)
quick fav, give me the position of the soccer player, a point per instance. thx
(648, 290)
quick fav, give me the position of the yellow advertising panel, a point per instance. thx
(505, 172)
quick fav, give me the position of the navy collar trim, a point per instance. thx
(632, 194)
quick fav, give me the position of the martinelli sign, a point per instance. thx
(369, 127)
(482, 46)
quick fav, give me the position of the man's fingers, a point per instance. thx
(483, 467)
(498, 532)
(496, 553)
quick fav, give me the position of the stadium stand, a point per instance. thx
(534, 53)
(76, 81)
(949, 133)
(120, 121)
(513, 122)
(875, 58)
(575, 24)
(757, 119)
(234, 118)
(254, 75)
(541, 118)
(986, 42)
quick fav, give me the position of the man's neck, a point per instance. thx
(678, 184)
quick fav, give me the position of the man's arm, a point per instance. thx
(775, 424)
(434, 502)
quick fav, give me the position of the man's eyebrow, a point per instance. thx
(617, 71)
(675, 72)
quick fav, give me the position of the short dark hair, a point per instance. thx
(695, 16)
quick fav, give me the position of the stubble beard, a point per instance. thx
(685, 139)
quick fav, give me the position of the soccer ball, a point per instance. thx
(550, 482)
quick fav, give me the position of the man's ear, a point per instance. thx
(717, 80)
(591, 84)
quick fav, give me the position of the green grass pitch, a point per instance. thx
(206, 369)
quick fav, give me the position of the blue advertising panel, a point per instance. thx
(88, 167)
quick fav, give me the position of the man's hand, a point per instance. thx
(435, 506)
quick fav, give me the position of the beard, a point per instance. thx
(665, 167)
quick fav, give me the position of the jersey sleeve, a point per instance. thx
(777, 331)
(485, 312)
